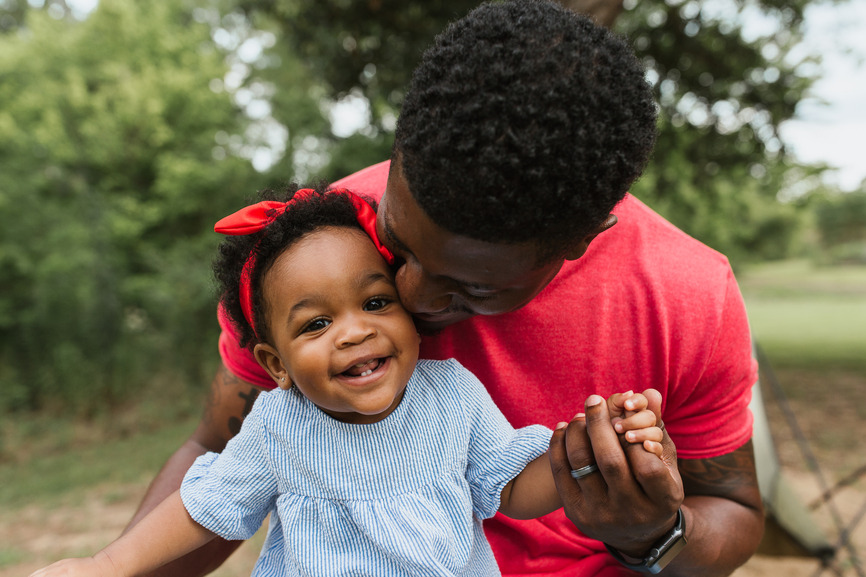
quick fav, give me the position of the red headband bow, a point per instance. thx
(256, 217)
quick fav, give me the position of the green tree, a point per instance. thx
(719, 163)
(841, 222)
(117, 157)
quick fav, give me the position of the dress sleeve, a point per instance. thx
(232, 492)
(497, 452)
(715, 418)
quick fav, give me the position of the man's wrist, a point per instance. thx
(660, 553)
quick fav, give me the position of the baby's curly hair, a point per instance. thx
(525, 122)
(323, 208)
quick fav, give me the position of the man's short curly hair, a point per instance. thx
(525, 122)
(306, 215)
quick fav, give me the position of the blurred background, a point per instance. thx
(127, 128)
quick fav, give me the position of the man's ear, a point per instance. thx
(270, 360)
(580, 248)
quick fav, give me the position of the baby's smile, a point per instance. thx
(363, 369)
(365, 373)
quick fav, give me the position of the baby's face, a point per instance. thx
(340, 334)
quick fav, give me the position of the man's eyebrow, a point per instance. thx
(476, 286)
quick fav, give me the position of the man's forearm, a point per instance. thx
(722, 535)
(724, 513)
(168, 480)
(204, 559)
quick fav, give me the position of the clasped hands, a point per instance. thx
(633, 498)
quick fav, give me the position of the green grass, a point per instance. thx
(808, 316)
(10, 557)
(59, 477)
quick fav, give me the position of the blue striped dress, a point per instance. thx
(401, 497)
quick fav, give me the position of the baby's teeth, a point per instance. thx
(365, 373)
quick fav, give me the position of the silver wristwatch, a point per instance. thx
(662, 552)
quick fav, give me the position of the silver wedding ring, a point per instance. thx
(584, 471)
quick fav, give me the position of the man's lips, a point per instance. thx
(442, 319)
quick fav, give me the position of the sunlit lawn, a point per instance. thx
(808, 316)
(61, 476)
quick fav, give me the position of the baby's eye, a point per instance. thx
(376, 303)
(315, 325)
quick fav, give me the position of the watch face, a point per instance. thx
(662, 552)
(668, 555)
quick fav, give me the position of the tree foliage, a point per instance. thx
(719, 163)
(841, 222)
(123, 137)
(109, 188)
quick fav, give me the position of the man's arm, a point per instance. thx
(229, 401)
(633, 499)
(724, 512)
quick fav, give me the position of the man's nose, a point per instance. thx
(355, 330)
(421, 292)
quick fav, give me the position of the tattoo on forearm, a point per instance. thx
(249, 398)
(214, 397)
(721, 475)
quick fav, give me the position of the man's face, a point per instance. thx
(445, 277)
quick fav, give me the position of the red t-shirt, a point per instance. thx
(646, 306)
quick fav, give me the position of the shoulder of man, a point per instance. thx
(369, 181)
(649, 250)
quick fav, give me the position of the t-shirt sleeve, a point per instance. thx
(497, 451)
(231, 493)
(239, 360)
(715, 418)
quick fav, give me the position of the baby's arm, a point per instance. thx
(533, 493)
(165, 534)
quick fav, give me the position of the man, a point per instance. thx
(521, 131)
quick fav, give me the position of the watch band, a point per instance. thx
(662, 551)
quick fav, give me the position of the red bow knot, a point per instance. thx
(256, 217)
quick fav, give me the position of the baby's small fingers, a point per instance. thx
(646, 434)
(616, 403)
(634, 403)
(640, 420)
(653, 447)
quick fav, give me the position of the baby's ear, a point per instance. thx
(270, 360)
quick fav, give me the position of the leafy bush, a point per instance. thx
(108, 193)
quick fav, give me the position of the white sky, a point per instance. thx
(834, 132)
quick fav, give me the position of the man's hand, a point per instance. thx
(633, 498)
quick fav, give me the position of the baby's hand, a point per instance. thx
(83, 567)
(631, 417)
